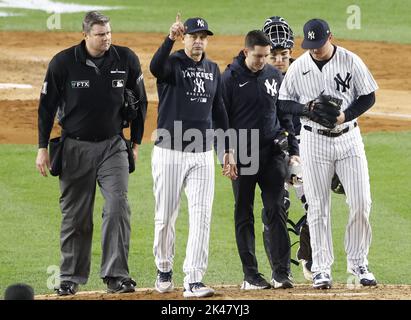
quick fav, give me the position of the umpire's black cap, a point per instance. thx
(316, 34)
(193, 25)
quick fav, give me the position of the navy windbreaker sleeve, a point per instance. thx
(227, 88)
(292, 107)
(135, 82)
(286, 122)
(160, 65)
(219, 112)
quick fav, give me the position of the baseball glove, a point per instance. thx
(336, 185)
(324, 110)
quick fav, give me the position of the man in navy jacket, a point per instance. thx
(250, 92)
(190, 99)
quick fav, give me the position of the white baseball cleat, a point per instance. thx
(322, 280)
(164, 282)
(197, 290)
(364, 275)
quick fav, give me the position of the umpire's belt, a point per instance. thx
(330, 133)
(86, 138)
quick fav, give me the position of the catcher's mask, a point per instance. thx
(279, 33)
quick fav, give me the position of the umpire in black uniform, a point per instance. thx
(86, 84)
(250, 91)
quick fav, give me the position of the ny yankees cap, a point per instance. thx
(316, 33)
(193, 25)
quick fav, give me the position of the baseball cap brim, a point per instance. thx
(307, 44)
(201, 30)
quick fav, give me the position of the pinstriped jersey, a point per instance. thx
(345, 76)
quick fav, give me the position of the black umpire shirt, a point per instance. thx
(89, 98)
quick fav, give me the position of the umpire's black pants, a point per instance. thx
(270, 177)
(84, 165)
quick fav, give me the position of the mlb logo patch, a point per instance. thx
(117, 83)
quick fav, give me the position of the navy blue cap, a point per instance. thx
(193, 25)
(316, 34)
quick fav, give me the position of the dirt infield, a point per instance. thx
(25, 56)
(300, 292)
(24, 59)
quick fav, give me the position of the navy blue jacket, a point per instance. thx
(189, 95)
(90, 99)
(251, 102)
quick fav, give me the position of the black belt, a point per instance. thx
(89, 139)
(329, 133)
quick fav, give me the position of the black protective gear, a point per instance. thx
(336, 185)
(279, 33)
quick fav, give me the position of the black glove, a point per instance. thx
(324, 110)
(281, 142)
(336, 185)
(130, 107)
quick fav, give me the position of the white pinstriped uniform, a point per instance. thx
(346, 77)
(172, 171)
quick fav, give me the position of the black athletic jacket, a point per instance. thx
(190, 99)
(89, 99)
(251, 102)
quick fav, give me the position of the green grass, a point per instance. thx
(380, 20)
(30, 221)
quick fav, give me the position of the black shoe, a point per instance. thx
(120, 285)
(256, 282)
(67, 288)
(282, 280)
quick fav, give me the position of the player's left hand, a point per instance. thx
(324, 110)
(294, 170)
(229, 166)
(341, 118)
(135, 151)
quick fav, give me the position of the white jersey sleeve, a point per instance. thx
(287, 88)
(364, 82)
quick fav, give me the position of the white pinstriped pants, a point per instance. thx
(345, 154)
(172, 170)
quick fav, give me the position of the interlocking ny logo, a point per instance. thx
(343, 85)
(311, 35)
(271, 87)
(200, 23)
(199, 85)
